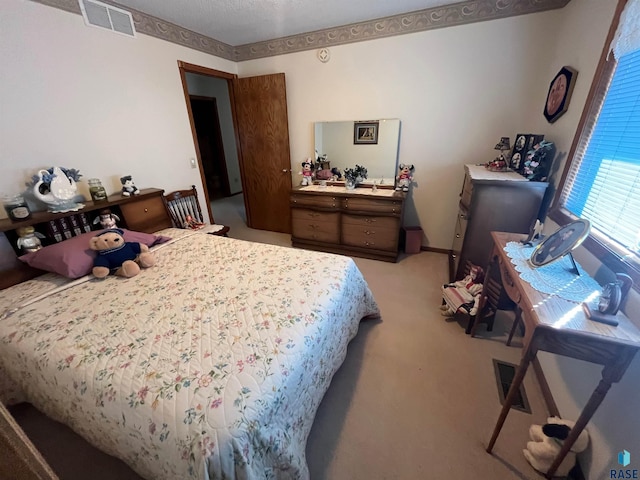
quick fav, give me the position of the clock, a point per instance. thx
(610, 299)
(324, 55)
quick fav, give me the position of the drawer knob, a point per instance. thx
(369, 244)
(146, 210)
(457, 235)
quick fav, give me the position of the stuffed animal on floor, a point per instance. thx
(546, 442)
(117, 257)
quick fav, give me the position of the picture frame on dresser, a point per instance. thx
(522, 144)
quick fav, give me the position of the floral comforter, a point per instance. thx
(211, 364)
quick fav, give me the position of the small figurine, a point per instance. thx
(463, 292)
(404, 177)
(499, 164)
(128, 187)
(107, 219)
(307, 172)
(192, 224)
(29, 239)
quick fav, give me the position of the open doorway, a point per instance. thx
(209, 94)
(253, 131)
(207, 124)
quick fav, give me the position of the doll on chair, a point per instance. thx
(463, 293)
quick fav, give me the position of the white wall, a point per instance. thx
(85, 98)
(456, 90)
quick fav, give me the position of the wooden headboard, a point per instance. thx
(145, 212)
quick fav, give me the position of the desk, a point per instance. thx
(560, 326)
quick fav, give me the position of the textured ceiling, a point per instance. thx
(239, 22)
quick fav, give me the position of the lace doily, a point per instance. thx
(557, 278)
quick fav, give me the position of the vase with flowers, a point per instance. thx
(354, 176)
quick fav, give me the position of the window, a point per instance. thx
(601, 183)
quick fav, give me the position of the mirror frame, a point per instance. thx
(560, 243)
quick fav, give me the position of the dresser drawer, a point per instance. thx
(146, 214)
(374, 237)
(320, 226)
(467, 191)
(370, 221)
(316, 201)
(371, 205)
(508, 284)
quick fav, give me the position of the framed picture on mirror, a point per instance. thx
(365, 133)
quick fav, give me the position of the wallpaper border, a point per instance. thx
(429, 19)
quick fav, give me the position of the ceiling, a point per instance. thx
(240, 22)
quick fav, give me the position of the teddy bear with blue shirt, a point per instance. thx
(117, 257)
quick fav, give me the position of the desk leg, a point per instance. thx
(589, 409)
(527, 358)
(611, 373)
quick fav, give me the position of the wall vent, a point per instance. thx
(98, 14)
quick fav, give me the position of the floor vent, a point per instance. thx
(98, 14)
(504, 376)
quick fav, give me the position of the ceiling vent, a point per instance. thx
(98, 14)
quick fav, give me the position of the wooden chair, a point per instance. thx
(494, 299)
(185, 212)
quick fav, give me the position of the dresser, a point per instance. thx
(491, 201)
(359, 222)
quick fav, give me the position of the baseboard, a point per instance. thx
(436, 250)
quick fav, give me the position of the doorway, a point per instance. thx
(252, 115)
(207, 124)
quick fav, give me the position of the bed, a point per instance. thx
(209, 365)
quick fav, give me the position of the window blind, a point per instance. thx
(604, 186)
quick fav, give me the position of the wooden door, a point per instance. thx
(263, 131)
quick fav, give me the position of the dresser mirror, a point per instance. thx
(343, 149)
